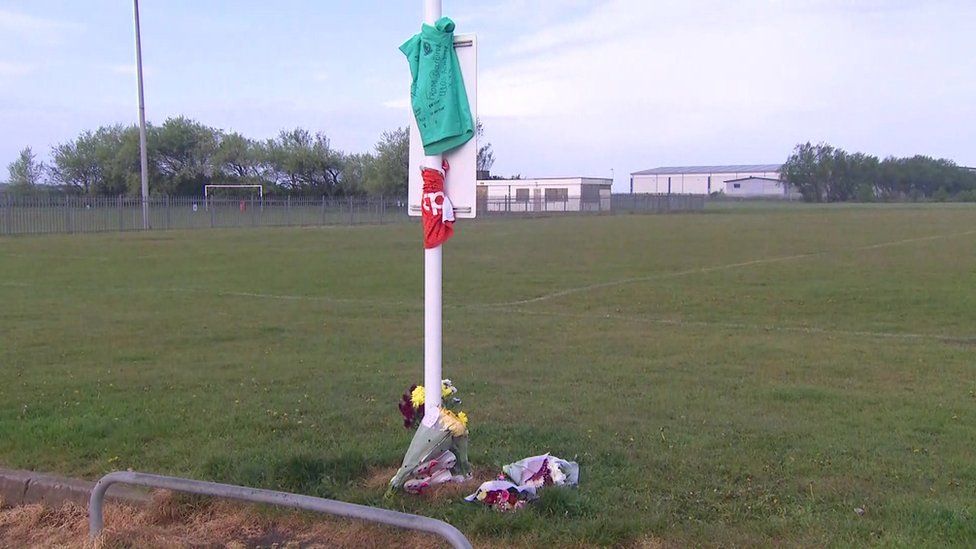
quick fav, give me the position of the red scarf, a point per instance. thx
(438, 215)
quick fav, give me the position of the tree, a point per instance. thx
(303, 163)
(78, 164)
(804, 170)
(389, 172)
(355, 170)
(486, 157)
(118, 152)
(328, 165)
(184, 151)
(825, 174)
(237, 158)
(26, 172)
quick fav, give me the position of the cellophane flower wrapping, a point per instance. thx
(544, 470)
(449, 433)
(502, 495)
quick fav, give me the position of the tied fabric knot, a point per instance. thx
(438, 212)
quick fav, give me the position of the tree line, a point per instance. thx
(822, 173)
(185, 155)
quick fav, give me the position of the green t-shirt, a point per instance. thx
(437, 94)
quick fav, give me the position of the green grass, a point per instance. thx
(759, 375)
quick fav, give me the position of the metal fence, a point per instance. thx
(79, 214)
(74, 214)
(508, 205)
(658, 203)
(372, 514)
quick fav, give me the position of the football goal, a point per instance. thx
(230, 192)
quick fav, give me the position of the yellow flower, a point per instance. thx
(464, 419)
(447, 388)
(452, 423)
(417, 396)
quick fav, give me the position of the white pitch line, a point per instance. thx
(25, 255)
(912, 240)
(275, 297)
(729, 266)
(741, 326)
(657, 276)
(327, 299)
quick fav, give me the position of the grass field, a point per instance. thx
(731, 378)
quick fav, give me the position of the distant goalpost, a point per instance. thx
(208, 188)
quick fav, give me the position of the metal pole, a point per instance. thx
(350, 510)
(432, 289)
(142, 123)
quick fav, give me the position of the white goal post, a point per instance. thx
(206, 192)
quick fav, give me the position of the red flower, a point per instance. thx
(411, 415)
(543, 474)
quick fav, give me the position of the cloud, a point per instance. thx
(631, 84)
(399, 104)
(10, 70)
(33, 28)
(129, 69)
(672, 66)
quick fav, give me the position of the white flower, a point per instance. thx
(558, 477)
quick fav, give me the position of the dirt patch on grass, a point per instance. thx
(175, 522)
(379, 478)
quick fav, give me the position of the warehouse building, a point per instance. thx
(698, 179)
(544, 194)
(759, 187)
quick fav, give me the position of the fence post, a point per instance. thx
(211, 208)
(288, 220)
(119, 205)
(169, 221)
(67, 215)
(8, 221)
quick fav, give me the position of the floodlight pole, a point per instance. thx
(144, 157)
(432, 289)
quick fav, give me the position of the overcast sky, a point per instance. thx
(566, 87)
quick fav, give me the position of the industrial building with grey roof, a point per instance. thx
(697, 179)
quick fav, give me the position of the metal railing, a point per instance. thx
(82, 214)
(350, 510)
(513, 205)
(603, 204)
(658, 203)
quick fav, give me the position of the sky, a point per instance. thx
(566, 87)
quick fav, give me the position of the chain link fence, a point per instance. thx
(79, 214)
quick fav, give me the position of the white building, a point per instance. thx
(758, 187)
(697, 179)
(544, 194)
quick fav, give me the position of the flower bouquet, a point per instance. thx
(438, 452)
(501, 495)
(520, 482)
(540, 471)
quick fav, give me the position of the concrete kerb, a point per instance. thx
(26, 487)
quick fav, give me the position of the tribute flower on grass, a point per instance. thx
(438, 452)
(411, 406)
(417, 395)
(454, 423)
